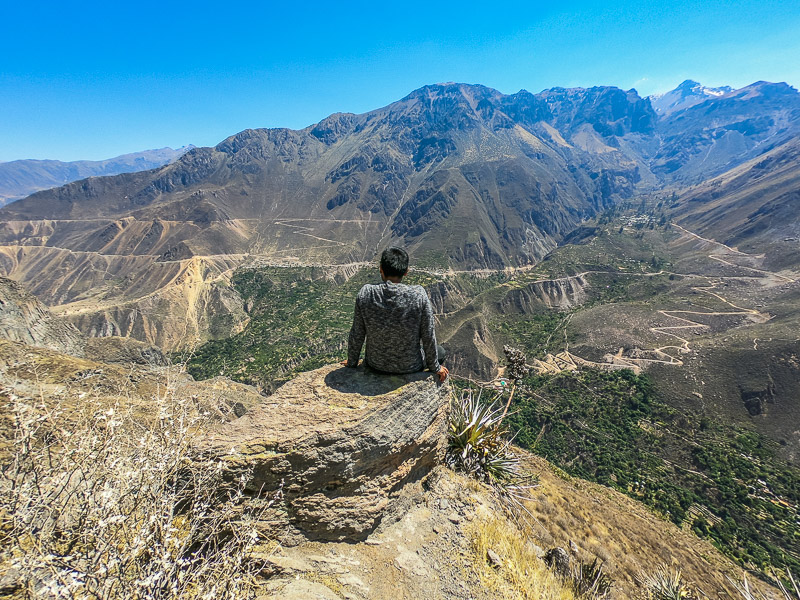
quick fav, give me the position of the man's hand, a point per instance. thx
(344, 363)
(443, 372)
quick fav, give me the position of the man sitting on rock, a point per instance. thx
(394, 318)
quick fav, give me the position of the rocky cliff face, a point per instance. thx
(341, 443)
(24, 319)
(563, 294)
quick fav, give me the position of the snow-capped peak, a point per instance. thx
(685, 95)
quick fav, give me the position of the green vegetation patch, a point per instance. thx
(536, 334)
(724, 482)
(299, 320)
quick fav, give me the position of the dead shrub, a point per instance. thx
(101, 505)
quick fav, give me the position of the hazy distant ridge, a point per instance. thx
(21, 178)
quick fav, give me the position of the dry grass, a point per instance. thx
(746, 592)
(522, 575)
(624, 534)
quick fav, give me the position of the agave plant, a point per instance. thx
(588, 580)
(665, 584)
(478, 445)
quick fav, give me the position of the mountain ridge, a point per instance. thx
(688, 93)
(20, 178)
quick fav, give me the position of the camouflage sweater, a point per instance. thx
(394, 318)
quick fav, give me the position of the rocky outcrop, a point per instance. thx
(563, 294)
(124, 351)
(340, 443)
(23, 318)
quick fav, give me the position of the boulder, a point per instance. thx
(339, 443)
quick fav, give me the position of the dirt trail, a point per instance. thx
(673, 314)
(766, 274)
(661, 354)
(639, 359)
(302, 229)
(714, 242)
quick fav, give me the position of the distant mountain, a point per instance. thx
(460, 172)
(20, 178)
(461, 175)
(709, 138)
(753, 207)
(685, 95)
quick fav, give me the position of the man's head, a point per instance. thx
(394, 262)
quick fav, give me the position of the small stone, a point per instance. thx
(494, 559)
(443, 504)
(351, 580)
(454, 518)
(537, 550)
(287, 564)
(11, 581)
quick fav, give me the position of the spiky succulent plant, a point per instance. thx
(666, 584)
(478, 445)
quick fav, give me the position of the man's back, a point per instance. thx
(394, 318)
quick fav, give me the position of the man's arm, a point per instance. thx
(427, 334)
(356, 338)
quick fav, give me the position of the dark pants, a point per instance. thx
(441, 354)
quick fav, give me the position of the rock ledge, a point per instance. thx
(342, 442)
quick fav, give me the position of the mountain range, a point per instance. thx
(462, 175)
(20, 178)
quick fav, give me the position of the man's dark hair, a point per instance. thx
(394, 262)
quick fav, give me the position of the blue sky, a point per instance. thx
(91, 80)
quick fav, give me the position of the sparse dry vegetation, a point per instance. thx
(522, 574)
(789, 593)
(588, 580)
(102, 505)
